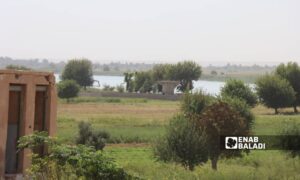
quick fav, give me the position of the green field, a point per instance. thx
(135, 123)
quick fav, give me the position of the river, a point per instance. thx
(211, 87)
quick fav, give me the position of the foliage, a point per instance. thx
(120, 88)
(183, 143)
(191, 139)
(242, 107)
(67, 89)
(68, 162)
(290, 139)
(16, 67)
(291, 72)
(90, 137)
(184, 72)
(108, 88)
(194, 103)
(275, 92)
(220, 119)
(79, 70)
(238, 89)
(143, 81)
(128, 79)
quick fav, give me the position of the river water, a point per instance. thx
(211, 87)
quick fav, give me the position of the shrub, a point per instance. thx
(195, 103)
(68, 162)
(16, 67)
(68, 89)
(183, 143)
(89, 137)
(242, 107)
(120, 88)
(275, 92)
(290, 139)
(238, 89)
(108, 88)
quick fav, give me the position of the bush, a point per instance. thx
(88, 137)
(242, 107)
(68, 89)
(238, 89)
(120, 88)
(16, 67)
(195, 103)
(290, 139)
(68, 162)
(275, 92)
(108, 88)
(183, 143)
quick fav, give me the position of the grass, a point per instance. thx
(257, 165)
(127, 120)
(135, 123)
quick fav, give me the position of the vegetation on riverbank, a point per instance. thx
(134, 125)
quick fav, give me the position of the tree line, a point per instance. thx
(148, 81)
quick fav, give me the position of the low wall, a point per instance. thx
(131, 95)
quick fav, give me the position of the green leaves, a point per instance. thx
(79, 70)
(237, 89)
(68, 89)
(69, 162)
(275, 92)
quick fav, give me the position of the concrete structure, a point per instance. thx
(168, 86)
(27, 104)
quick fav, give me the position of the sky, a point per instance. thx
(152, 31)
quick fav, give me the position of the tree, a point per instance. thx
(185, 72)
(221, 119)
(68, 89)
(183, 143)
(195, 103)
(161, 72)
(79, 70)
(128, 78)
(291, 72)
(143, 81)
(275, 92)
(16, 67)
(238, 89)
(242, 107)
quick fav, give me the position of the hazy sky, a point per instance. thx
(208, 31)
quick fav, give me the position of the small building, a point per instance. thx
(168, 86)
(27, 104)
